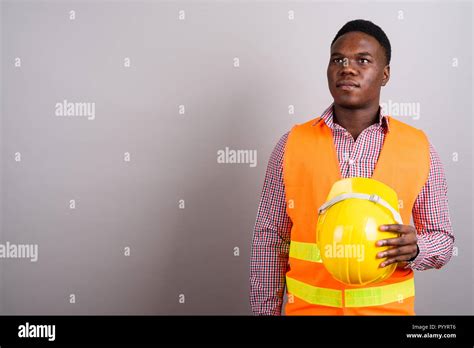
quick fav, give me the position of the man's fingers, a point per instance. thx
(409, 250)
(400, 241)
(396, 228)
(407, 235)
(396, 259)
(404, 246)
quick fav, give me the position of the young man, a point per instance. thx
(347, 141)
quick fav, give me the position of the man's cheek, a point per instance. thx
(370, 85)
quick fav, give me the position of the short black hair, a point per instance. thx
(368, 28)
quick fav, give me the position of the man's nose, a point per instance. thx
(347, 67)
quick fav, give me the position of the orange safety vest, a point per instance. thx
(310, 168)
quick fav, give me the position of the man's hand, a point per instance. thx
(404, 247)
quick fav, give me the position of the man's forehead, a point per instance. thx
(356, 41)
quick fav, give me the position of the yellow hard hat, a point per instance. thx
(348, 228)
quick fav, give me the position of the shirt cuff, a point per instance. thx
(416, 263)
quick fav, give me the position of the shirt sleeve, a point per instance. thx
(432, 221)
(271, 240)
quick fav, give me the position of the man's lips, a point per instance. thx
(347, 84)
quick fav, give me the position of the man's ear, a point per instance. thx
(386, 75)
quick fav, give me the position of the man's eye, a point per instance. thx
(338, 60)
(364, 60)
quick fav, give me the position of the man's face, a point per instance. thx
(357, 70)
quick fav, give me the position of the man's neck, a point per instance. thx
(355, 120)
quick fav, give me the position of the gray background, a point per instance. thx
(118, 204)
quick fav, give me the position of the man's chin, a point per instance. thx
(348, 104)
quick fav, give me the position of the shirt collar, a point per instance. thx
(327, 116)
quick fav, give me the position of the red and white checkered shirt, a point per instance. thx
(271, 238)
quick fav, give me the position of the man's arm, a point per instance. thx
(431, 219)
(271, 240)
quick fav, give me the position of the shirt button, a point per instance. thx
(351, 161)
